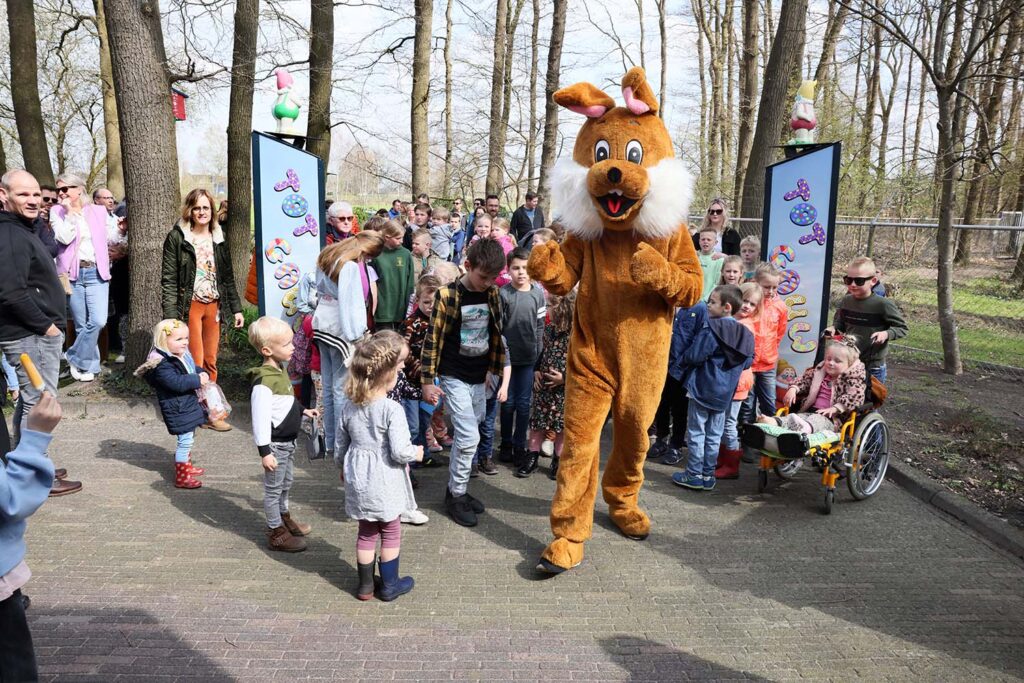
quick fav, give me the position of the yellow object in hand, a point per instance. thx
(30, 369)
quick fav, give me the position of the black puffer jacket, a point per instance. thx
(178, 274)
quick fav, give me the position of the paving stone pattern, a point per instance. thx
(135, 580)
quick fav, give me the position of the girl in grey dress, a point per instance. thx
(373, 447)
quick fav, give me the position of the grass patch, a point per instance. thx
(978, 345)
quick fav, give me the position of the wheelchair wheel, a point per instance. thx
(762, 480)
(787, 469)
(869, 456)
(830, 498)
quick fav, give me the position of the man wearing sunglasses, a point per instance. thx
(874, 320)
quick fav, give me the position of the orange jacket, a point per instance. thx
(769, 331)
(252, 295)
(746, 382)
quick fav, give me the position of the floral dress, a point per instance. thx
(547, 411)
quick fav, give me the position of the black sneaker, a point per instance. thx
(459, 509)
(519, 457)
(553, 472)
(505, 453)
(475, 505)
(486, 465)
(529, 465)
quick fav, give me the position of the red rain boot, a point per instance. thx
(183, 479)
(728, 463)
(194, 470)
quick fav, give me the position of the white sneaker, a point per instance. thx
(414, 517)
(119, 360)
(75, 373)
(86, 377)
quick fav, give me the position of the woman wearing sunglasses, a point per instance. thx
(717, 217)
(83, 232)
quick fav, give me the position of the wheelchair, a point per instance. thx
(859, 452)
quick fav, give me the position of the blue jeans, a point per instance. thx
(731, 434)
(878, 373)
(89, 302)
(332, 374)
(703, 437)
(417, 419)
(517, 407)
(487, 430)
(45, 354)
(764, 389)
(466, 404)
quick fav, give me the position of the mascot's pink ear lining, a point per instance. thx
(632, 103)
(593, 111)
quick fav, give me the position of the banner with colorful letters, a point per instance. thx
(288, 196)
(799, 229)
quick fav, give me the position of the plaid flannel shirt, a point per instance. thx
(447, 316)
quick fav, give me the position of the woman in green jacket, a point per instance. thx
(197, 283)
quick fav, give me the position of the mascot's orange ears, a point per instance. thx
(592, 102)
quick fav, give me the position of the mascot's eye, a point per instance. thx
(634, 152)
(601, 150)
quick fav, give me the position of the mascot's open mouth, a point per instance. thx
(615, 204)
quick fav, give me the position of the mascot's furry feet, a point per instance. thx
(562, 555)
(632, 522)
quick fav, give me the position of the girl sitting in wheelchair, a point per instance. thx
(823, 398)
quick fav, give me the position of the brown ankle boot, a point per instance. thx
(281, 539)
(295, 528)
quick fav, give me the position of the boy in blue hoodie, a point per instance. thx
(721, 350)
(25, 481)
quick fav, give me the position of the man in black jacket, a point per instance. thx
(527, 218)
(32, 302)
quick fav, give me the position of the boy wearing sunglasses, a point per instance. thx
(874, 320)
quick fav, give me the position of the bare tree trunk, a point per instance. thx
(729, 36)
(748, 91)
(640, 18)
(512, 25)
(321, 67)
(115, 171)
(446, 181)
(873, 89)
(531, 137)
(915, 148)
(28, 113)
(496, 139)
(786, 55)
(883, 137)
(243, 83)
(828, 48)
(952, 363)
(421, 97)
(3, 154)
(143, 91)
(547, 153)
(708, 143)
(663, 38)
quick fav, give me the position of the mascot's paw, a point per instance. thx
(632, 522)
(546, 262)
(647, 267)
(560, 556)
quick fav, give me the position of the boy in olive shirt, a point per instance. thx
(874, 320)
(395, 273)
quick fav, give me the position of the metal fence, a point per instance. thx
(987, 301)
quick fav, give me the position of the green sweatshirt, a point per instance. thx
(712, 268)
(862, 317)
(394, 284)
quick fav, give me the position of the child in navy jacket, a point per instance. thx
(719, 353)
(171, 371)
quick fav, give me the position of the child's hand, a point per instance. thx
(880, 337)
(432, 394)
(717, 256)
(828, 412)
(269, 463)
(45, 415)
(311, 412)
(553, 378)
(789, 397)
(502, 394)
(538, 380)
(204, 379)
(419, 453)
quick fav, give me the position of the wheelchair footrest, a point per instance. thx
(782, 443)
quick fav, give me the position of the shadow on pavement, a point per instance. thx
(88, 642)
(649, 660)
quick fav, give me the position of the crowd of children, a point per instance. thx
(407, 329)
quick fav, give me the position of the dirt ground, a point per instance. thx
(967, 432)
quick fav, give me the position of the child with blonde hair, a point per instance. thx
(731, 450)
(441, 232)
(374, 449)
(732, 271)
(750, 253)
(542, 236)
(395, 277)
(769, 331)
(170, 370)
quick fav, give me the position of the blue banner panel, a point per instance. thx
(798, 234)
(288, 196)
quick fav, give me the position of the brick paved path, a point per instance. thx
(137, 580)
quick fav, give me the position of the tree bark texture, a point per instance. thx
(421, 97)
(496, 136)
(748, 74)
(143, 92)
(511, 25)
(115, 170)
(448, 144)
(554, 65)
(321, 68)
(663, 38)
(531, 135)
(243, 82)
(28, 112)
(785, 56)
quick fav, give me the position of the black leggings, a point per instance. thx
(17, 657)
(672, 409)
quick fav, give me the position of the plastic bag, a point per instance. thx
(316, 446)
(212, 397)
